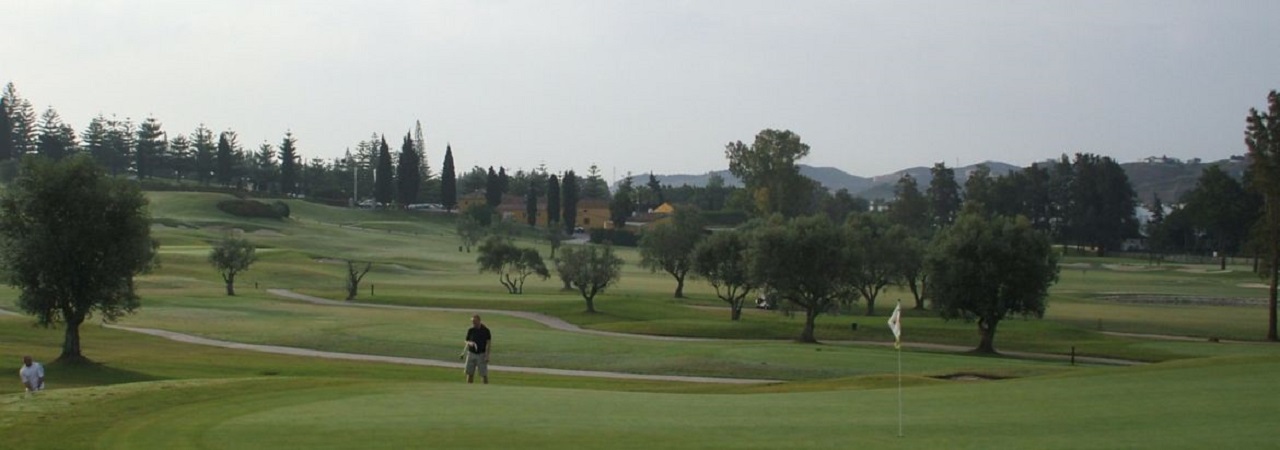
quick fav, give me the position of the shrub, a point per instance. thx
(250, 208)
(281, 209)
(622, 238)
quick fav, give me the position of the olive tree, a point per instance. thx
(589, 269)
(988, 269)
(72, 239)
(668, 246)
(512, 264)
(807, 262)
(722, 260)
(232, 256)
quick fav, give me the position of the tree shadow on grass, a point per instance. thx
(81, 371)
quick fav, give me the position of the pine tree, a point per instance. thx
(96, 139)
(289, 160)
(181, 157)
(6, 131)
(56, 139)
(148, 148)
(22, 121)
(383, 175)
(448, 181)
(420, 146)
(121, 137)
(202, 142)
(265, 167)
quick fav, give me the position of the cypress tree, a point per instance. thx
(492, 189)
(448, 181)
(408, 172)
(383, 178)
(569, 205)
(553, 201)
(224, 159)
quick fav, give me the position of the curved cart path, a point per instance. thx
(559, 324)
(186, 338)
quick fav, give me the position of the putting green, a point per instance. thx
(1174, 405)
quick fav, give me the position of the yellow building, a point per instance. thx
(592, 213)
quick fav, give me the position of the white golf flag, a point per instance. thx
(895, 324)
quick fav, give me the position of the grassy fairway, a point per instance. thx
(148, 392)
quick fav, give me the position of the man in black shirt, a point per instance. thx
(479, 346)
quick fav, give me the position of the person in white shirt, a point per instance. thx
(32, 374)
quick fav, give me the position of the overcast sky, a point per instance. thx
(662, 86)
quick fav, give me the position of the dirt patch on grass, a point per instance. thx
(969, 376)
(1254, 285)
(1153, 299)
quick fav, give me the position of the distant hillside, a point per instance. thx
(834, 179)
(1169, 178)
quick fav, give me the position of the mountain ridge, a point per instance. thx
(1166, 177)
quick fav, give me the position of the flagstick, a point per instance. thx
(899, 391)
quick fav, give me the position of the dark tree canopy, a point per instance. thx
(73, 239)
(944, 196)
(1100, 213)
(909, 208)
(988, 269)
(805, 261)
(1262, 137)
(770, 172)
(878, 252)
(1220, 207)
(623, 203)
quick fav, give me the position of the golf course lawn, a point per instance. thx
(147, 392)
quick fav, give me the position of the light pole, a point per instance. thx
(355, 179)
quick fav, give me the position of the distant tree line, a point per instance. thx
(146, 151)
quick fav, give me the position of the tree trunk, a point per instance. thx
(231, 286)
(591, 306)
(71, 340)
(988, 331)
(735, 311)
(352, 290)
(810, 313)
(679, 287)
(1271, 294)
(871, 306)
(915, 292)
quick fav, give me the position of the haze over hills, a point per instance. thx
(1167, 177)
